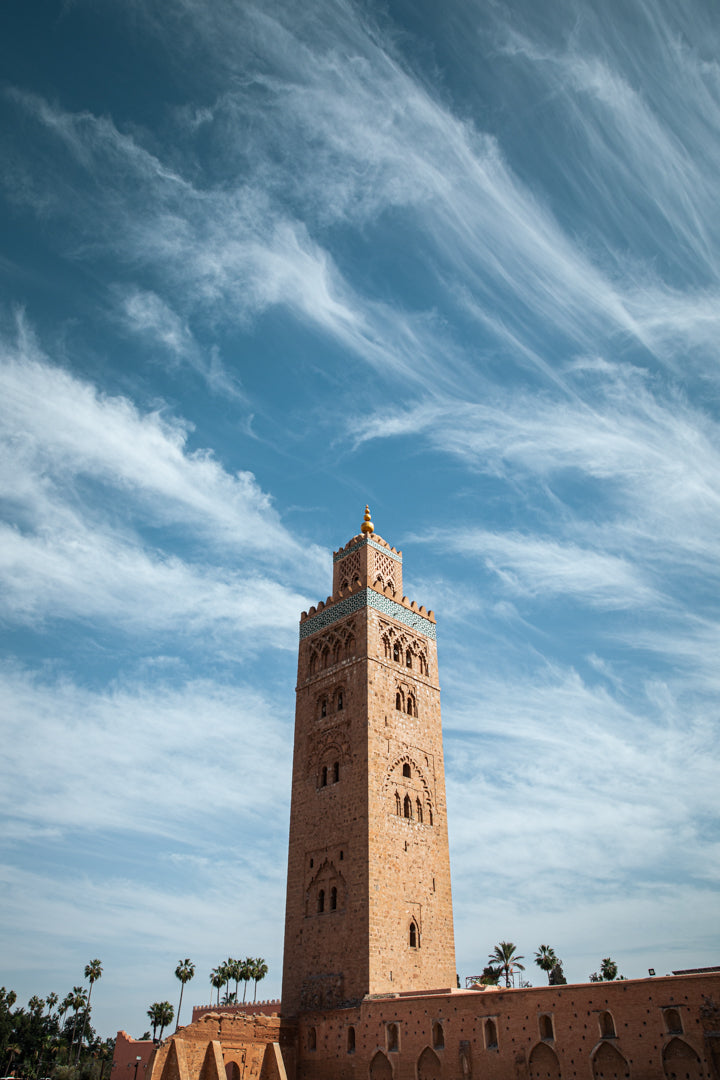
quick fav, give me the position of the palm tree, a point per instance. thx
(233, 967)
(546, 959)
(93, 971)
(184, 972)
(165, 1015)
(13, 1049)
(505, 958)
(51, 1001)
(608, 970)
(154, 1017)
(217, 979)
(36, 1005)
(78, 999)
(259, 971)
(246, 974)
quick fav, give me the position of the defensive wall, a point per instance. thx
(646, 1029)
(663, 1028)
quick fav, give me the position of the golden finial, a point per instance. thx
(367, 526)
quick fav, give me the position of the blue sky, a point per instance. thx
(262, 264)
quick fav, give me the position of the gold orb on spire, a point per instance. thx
(367, 526)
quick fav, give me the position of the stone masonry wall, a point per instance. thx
(501, 1034)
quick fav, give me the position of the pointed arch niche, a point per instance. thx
(609, 1064)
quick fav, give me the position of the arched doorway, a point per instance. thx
(680, 1062)
(232, 1070)
(544, 1064)
(428, 1066)
(380, 1067)
(609, 1064)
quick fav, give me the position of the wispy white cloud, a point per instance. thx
(78, 550)
(652, 458)
(534, 566)
(148, 315)
(159, 755)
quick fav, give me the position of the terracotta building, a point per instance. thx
(368, 908)
(369, 984)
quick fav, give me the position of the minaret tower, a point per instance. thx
(369, 908)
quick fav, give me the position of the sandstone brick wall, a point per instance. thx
(548, 1032)
(222, 1047)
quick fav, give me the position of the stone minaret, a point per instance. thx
(369, 907)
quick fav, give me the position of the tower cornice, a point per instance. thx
(406, 612)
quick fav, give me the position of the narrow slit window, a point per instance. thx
(323, 776)
(407, 807)
(419, 810)
(398, 701)
(396, 652)
(333, 899)
(336, 772)
(413, 936)
(407, 770)
(340, 701)
(321, 901)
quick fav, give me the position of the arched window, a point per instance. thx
(323, 707)
(333, 899)
(393, 1039)
(336, 653)
(339, 701)
(351, 1040)
(323, 776)
(398, 804)
(429, 810)
(413, 935)
(491, 1039)
(396, 652)
(546, 1027)
(398, 701)
(336, 772)
(438, 1036)
(325, 656)
(407, 770)
(386, 647)
(407, 807)
(408, 659)
(321, 901)
(312, 1039)
(607, 1025)
(418, 809)
(673, 1023)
